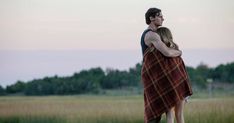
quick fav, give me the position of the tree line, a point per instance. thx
(96, 79)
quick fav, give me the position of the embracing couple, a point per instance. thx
(164, 77)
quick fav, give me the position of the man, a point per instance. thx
(149, 38)
(154, 19)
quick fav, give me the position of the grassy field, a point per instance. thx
(104, 109)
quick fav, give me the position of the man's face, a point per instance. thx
(158, 20)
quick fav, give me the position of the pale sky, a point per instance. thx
(89, 31)
(109, 24)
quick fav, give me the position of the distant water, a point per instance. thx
(28, 65)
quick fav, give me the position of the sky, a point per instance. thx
(41, 38)
(111, 25)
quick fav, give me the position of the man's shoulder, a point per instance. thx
(151, 35)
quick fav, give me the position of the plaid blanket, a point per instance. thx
(165, 82)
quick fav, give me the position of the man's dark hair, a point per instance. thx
(151, 12)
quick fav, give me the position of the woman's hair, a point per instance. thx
(166, 37)
(151, 12)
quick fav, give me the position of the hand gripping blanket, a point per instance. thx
(165, 82)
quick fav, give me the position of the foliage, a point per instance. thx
(2, 91)
(19, 86)
(224, 73)
(95, 79)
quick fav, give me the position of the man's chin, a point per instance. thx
(158, 25)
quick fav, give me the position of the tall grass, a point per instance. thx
(104, 109)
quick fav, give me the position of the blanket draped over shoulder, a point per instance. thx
(165, 82)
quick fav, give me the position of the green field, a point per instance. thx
(104, 109)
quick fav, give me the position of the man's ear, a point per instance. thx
(152, 19)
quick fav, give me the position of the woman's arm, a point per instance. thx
(154, 38)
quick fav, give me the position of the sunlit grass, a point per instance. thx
(104, 109)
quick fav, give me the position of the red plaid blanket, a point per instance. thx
(165, 82)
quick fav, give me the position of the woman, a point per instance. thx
(167, 38)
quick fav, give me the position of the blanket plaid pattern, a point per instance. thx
(165, 82)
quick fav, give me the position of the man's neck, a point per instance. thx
(152, 27)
